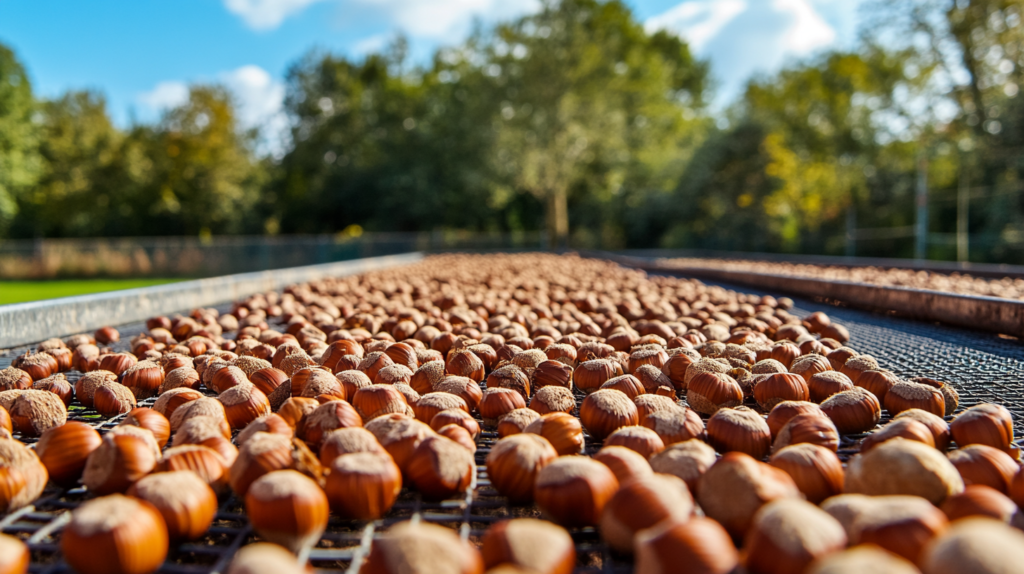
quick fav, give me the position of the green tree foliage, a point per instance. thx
(19, 158)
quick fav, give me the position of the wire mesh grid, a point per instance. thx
(982, 367)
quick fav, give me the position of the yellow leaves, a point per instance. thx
(744, 200)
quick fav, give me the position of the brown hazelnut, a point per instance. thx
(34, 412)
(675, 425)
(325, 418)
(937, 426)
(143, 379)
(378, 400)
(348, 441)
(553, 399)
(463, 387)
(440, 468)
(779, 387)
(410, 547)
(823, 385)
(295, 409)
(373, 476)
(428, 375)
(513, 464)
(808, 428)
(816, 470)
(647, 404)
(986, 424)
(497, 402)
(643, 440)
(978, 500)
(510, 377)
(85, 388)
(457, 417)
(902, 525)
(607, 410)
(22, 475)
(150, 420)
(37, 365)
(904, 428)
(740, 429)
(709, 392)
(974, 545)
(552, 373)
(980, 464)
(182, 377)
(809, 365)
(642, 503)
(627, 384)
(287, 508)
(878, 382)
(853, 411)
(699, 543)
(862, 559)
(125, 455)
(562, 430)
(267, 379)
(115, 534)
(400, 435)
(351, 381)
(186, 502)
(573, 490)
(784, 411)
(58, 385)
(265, 453)
(906, 395)
(63, 450)
(12, 379)
(15, 557)
(112, 399)
(531, 544)
(788, 534)
(465, 363)
(625, 463)
(737, 486)
(516, 421)
(675, 369)
(687, 460)
(590, 375)
(204, 461)
(839, 357)
(117, 363)
(901, 466)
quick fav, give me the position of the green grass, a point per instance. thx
(22, 291)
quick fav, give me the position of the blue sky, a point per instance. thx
(143, 53)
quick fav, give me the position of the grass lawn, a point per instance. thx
(22, 291)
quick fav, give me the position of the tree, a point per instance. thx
(19, 160)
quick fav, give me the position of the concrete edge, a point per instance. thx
(1003, 316)
(24, 323)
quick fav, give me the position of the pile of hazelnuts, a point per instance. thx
(696, 428)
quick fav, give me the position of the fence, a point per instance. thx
(195, 257)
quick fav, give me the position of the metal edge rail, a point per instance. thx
(1001, 316)
(24, 323)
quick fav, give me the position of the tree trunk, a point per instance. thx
(557, 220)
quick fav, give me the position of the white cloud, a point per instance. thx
(371, 44)
(265, 14)
(698, 21)
(440, 19)
(808, 31)
(165, 95)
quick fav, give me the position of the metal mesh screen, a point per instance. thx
(982, 367)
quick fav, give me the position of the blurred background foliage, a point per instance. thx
(574, 120)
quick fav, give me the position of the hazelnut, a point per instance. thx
(904, 428)
(457, 417)
(974, 545)
(675, 369)
(37, 365)
(348, 441)
(906, 395)
(853, 411)
(983, 501)
(182, 377)
(573, 490)
(513, 464)
(510, 377)
(708, 392)
(553, 399)
(607, 410)
(143, 379)
(862, 559)
(463, 387)
(699, 543)
(378, 400)
(816, 470)
(15, 557)
(373, 476)
(393, 374)
(838, 357)
(63, 450)
(440, 468)
(85, 388)
(823, 385)
(878, 382)
(34, 412)
(22, 475)
(58, 385)
(170, 400)
(428, 375)
(986, 424)
(590, 375)
(106, 335)
(901, 466)
(419, 547)
(465, 363)
(14, 379)
(687, 460)
(768, 367)
(625, 463)
(902, 525)
(125, 455)
(115, 534)
(152, 421)
(788, 534)
(264, 558)
(779, 387)
(204, 461)
(935, 424)
(642, 503)
(268, 379)
(497, 402)
(85, 358)
(739, 429)
(651, 403)
(264, 453)
(516, 421)
(351, 381)
(675, 425)
(809, 365)
(112, 399)
(117, 363)
(552, 373)
(432, 403)
(784, 411)
(197, 430)
(808, 428)
(185, 501)
(325, 418)
(295, 409)
(287, 508)
(531, 544)
(627, 384)
(737, 486)
(643, 440)
(562, 430)
(701, 366)
(980, 464)
(400, 435)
